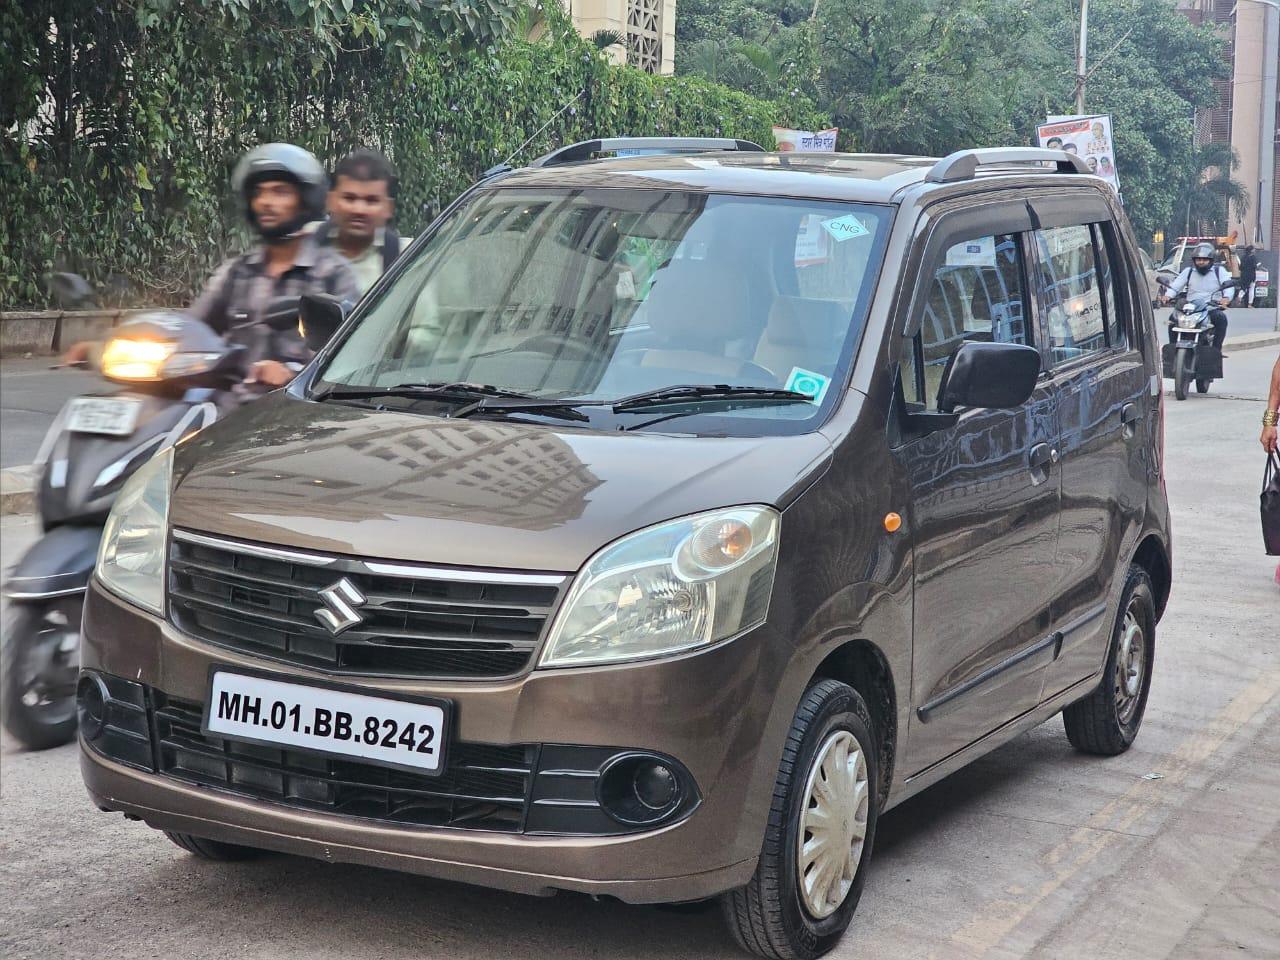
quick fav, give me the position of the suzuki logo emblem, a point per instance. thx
(339, 606)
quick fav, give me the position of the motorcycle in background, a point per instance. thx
(178, 376)
(1190, 355)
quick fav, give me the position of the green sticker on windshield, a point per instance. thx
(845, 228)
(812, 385)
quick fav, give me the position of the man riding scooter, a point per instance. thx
(1204, 280)
(283, 189)
(179, 372)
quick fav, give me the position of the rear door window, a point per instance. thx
(1075, 309)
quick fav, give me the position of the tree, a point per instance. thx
(932, 76)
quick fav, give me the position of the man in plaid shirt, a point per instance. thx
(283, 188)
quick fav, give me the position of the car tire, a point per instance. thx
(1106, 722)
(207, 849)
(778, 914)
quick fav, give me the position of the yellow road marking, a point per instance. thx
(1073, 854)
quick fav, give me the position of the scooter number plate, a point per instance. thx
(109, 415)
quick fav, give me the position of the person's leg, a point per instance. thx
(1219, 320)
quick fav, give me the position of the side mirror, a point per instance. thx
(999, 375)
(281, 313)
(1164, 278)
(320, 317)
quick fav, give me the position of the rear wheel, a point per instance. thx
(1181, 374)
(818, 839)
(207, 849)
(1202, 384)
(41, 660)
(1107, 721)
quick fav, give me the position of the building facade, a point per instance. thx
(1247, 115)
(648, 26)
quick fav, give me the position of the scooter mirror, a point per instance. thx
(320, 317)
(281, 313)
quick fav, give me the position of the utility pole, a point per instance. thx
(1081, 56)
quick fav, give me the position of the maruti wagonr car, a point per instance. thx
(655, 525)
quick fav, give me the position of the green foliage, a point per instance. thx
(125, 119)
(932, 76)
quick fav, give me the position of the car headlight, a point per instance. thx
(671, 587)
(131, 555)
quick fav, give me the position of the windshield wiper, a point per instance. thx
(462, 392)
(700, 393)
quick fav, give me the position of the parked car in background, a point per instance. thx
(656, 524)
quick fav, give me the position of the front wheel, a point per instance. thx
(41, 659)
(1181, 374)
(818, 839)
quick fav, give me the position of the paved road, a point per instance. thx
(1170, 851)
(30, 397)
(31, 394)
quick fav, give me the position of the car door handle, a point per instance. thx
(1041, 456)
(1130, 414)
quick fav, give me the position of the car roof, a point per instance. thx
(866, 177)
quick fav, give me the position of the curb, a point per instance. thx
(17, 490)
(1251, 341)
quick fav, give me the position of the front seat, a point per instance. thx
(694, 313)
(803, 333)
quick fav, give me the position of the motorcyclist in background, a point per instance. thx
(283, 189)
(1203, 281)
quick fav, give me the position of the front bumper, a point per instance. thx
(711, 711)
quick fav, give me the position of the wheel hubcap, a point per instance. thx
(1130, 663)
(833, 824)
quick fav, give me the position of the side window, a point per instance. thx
(976, 294)
(1075, 314)
(1115, 286)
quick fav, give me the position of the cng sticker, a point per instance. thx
(812, 385)
(845, 228)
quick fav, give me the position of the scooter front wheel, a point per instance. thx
(41, 660)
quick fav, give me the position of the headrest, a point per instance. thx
(804, 322)
(698, 303)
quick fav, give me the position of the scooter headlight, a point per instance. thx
(672, 587)
(131, 555)
(135, 360)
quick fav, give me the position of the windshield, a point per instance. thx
(601, 294)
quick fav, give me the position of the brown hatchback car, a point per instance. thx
(657, 523)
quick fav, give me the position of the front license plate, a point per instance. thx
(398, 733)
(110, 415)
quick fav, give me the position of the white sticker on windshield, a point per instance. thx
(812, 385)
(845, 228)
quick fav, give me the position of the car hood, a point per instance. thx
(350, 480)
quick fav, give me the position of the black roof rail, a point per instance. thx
(964, 164)
(576, 152)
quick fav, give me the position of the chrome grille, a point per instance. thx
(413, 621)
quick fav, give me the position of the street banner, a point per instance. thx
(806, 141)
(1086, 136)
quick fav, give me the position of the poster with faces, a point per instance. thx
(1088, 137)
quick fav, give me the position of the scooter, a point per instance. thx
(178, 376)
(1190, 354)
